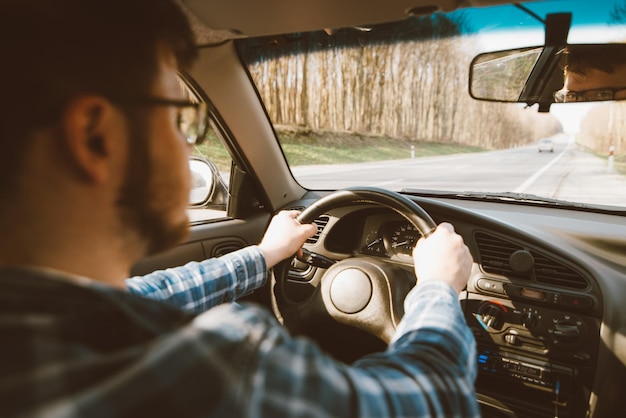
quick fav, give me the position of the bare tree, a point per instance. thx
(414, 88)
(604, 126)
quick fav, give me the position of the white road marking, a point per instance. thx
(530, 180)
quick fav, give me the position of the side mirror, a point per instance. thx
(208, 189)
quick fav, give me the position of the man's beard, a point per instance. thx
(143, 206)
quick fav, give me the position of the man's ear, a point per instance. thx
(90, 126)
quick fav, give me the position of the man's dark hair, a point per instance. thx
(604, 57)
(55, 50)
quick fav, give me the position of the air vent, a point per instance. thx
(321, 224)
(495, 254)
(552, 272)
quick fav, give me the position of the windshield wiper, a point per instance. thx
(524, 198)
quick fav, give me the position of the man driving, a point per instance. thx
(94, 176)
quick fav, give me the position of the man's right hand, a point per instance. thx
(284, 237)
(443, 256)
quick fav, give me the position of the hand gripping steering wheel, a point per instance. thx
(361, 291)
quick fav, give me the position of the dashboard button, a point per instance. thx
(511, 339)
(492, 286)
(529, 318)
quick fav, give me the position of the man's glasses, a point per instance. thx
(593, 95)
(192, 119)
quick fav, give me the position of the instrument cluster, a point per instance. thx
(389, 237)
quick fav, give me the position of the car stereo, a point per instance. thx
(533, 361)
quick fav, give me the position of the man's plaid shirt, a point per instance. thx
(72, 347)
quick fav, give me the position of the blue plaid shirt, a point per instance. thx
(199, 286)
(77, 348)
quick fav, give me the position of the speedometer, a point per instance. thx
(374, 244)
(403, 238)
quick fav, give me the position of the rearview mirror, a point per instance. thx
(501, 75)
(579, 73)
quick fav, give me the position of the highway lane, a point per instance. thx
(568, 173)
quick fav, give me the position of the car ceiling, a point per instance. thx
(218, 20)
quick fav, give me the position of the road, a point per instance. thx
(568, 173)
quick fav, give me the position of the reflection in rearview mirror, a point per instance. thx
(573, 73)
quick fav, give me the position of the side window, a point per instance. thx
(210, 165)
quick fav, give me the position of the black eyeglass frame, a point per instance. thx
(201, 108)
(581, 94)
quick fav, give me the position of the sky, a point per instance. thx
(584, 12)
(591, 22)
(570, 114)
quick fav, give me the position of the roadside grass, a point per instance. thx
(307, 147)
(213, 149)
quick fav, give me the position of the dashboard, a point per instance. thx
(537, 301)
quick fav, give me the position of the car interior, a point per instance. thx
(545, 299)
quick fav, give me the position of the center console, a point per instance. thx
(537, 349)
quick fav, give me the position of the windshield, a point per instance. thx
(388, 106)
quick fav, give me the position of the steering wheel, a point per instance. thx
(361, 291)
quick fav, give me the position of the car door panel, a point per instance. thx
(207, 240)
